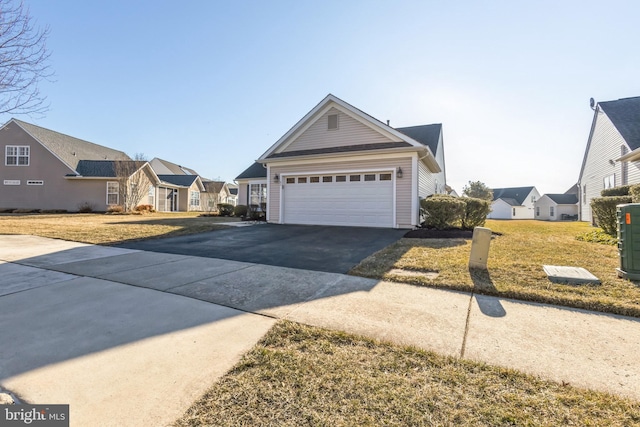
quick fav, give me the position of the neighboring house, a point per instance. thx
(216, 192)
(233, 194)
(613, 150)
(340, 166)
(557, 207)
(48, 170)
(513, 203)
(181, 189)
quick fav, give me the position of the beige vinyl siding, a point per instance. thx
(403, 185)
(350, 132)
(604, 146)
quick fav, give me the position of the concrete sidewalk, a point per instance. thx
(120, 331)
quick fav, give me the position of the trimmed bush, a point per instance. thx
(225, 209)
(144, 208)
(441, 211)
(240, 210)
(53, 211)
(623, 190)
(23, 211)
(115, 209)
(85, 207)
(604, 211)
(634, 192)
(475, 212)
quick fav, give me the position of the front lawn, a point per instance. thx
(104, 229)
(301, 375)
(515, 266)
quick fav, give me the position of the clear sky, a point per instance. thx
(211, 84)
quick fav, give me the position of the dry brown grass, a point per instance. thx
(301, 375)
(515, 266)
(106, 229)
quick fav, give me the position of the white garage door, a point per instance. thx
(354, 199)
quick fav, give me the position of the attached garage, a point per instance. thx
(363, 199)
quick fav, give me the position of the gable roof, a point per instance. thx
(182, 180)
(564, 199)
(399, 140)
(214, 186)
(256, 170)
(428, 135)
(625, 115)
(68, 149)
(165, 167)
(511, 195)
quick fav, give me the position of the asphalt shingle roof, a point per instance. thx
(428, 135)
(519, 194)
(625, 116)
(106, 168)
(256, 170)
(69, 149)
(182, 180)
(564, 199)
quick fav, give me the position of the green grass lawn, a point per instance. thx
(300, 375)
(514, 267)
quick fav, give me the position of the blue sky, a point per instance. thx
(212, 84)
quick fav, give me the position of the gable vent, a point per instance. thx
(333, 121)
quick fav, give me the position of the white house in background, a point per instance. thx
(557, 207)
(513, 203)
(612, 156)
(340, 166)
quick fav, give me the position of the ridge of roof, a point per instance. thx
(69, 149)
(564, 199)
(428, 135)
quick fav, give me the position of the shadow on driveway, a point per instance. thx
(308, 247)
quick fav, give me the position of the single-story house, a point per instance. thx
(513, 203)
(340, 166)
(557, 207)
(48, 170)
(233, 194)
(216, 192)
(612, 156)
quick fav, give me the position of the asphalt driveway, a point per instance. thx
(308, 247)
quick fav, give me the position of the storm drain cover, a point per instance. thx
(570, 275)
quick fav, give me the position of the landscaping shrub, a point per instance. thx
(622, 190)
(441, 211)
(26, 211)
(225, 209)
(85, 207)
(115, 209)
(240, 210)
(634, 192)
(7, 210)
(475, 212)
(604, 211)
(597, 236)
(53, 211)
(144, 208)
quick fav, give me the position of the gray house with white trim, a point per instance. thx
(340, 166)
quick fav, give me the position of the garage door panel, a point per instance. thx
(356, 203)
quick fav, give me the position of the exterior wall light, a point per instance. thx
(276, 178)
(399, 173)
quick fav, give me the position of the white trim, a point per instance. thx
(11, 182)
(392, 170)
(348, 158)
(268, 201)
(415, 185)
(17, 156)
(117, 193)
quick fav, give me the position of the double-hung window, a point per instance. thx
(112, 193)
(194, 199)
(258, 195)
(16, 155)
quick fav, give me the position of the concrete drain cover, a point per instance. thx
(570, 275)
(411, 273)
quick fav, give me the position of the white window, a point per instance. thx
(610, 181)
(258, 195)
(152, 196)
(552, 211)
(112, 193)
(194, 199)
(16, 155)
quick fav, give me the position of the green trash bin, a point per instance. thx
(629, 241)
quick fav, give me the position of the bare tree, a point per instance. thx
(24, 60)
(133, 181)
